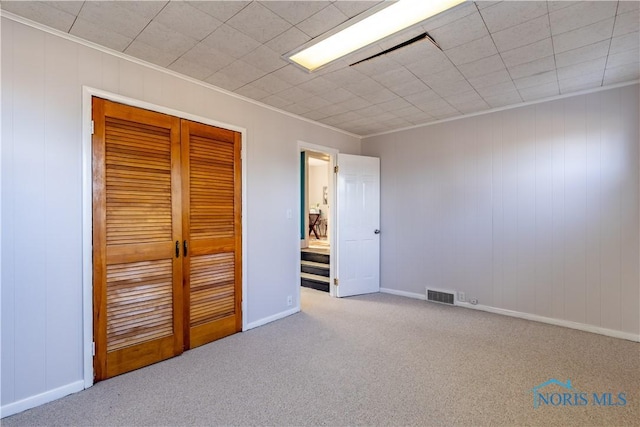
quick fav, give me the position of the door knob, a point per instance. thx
(377, 231)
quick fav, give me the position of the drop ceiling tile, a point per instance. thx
(318, 86)
(333, 120)
(494, 78)
(536, 80)
(394, 77)
(114, 17)
(242, 72)
(521, 35)
(276, 101)
(624, 73)
(470, 97)
(483, 4)
(560, 4)
(287, 41)
(315, 115)
(337, 95)
(323, 21)
(394, 104)
(423, 99)
(164, 38)
(582, 54)
(272, 84)
(451, 15)
(223, 81)
(415, 52)
(379, 96)
(221, 10)
(293, 75)
(430, 65)
(72, 7)
(258, 22)
(297, 109)
(355, 103)
(293, 94)
(332, 110)
(497, 89)
(410, 87)
(626, 23)
(371, 111)
(625, 42)
(528, 53)
(265, 59)
(91, 32)
(504, 99)
(531, 68)
(208, 57)
(482, 67)
(472, 107)
(583, 36)
(409, 112)
(441, 109)
(507, 14)
(460, 32)
(41, 12)
(583, 82)
(146, 9)
(401, 37)
(149, 53)
(231, 41)
(250, 91)
(295, 11)
(353, 8)
(540, 92)
(580, 15)
(377, 66)
(191, 69)
(188, 20)
(451, 88)
(365, 86)
(623, 58)
(444, 77)
(627, 6)
(470, 52)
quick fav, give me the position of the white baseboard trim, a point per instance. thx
(550, 320)
(413, 295)
(527, 316)
(273, 318)
(41, 399)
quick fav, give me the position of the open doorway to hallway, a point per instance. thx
(316, 214)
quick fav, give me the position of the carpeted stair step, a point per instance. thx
(316, 268)
(314, 281)
(315, 257)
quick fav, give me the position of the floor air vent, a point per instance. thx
(440, 296)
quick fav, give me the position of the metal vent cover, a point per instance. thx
(442, 297)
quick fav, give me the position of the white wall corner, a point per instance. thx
(272, 318)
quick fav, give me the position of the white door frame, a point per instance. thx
(87, 209)
(333, 154)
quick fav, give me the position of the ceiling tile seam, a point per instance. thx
(144, 28)
(511, 26)
(76, 18)
(49, 30)
(501, 59)
(613, 29)
(553, 47)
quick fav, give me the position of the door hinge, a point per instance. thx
(92, 127)
(335, 169)
(93, 348)
(335, 281)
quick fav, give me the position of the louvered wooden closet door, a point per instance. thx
(212, 231)
(137, 224)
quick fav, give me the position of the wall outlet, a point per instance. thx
(289, 300)
(474, 301)
(461, 297)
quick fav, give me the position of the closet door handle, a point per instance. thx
(184, 248)
(177, 248)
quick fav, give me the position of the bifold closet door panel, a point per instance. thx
(137, 231)
(211, 189)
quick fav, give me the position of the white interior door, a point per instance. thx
(358, 225)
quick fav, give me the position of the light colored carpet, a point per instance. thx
(368, 360)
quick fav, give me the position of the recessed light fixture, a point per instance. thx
(398, 16)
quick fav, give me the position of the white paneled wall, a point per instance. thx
(533, 209)
(42, 79)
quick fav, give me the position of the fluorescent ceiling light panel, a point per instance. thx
(384, 23)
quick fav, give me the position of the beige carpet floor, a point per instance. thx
(368, 360)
